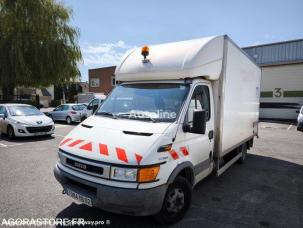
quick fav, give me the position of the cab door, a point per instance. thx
(200, 146)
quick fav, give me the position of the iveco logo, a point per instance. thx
(39, 122)
(80, 165)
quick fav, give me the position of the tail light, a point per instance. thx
(73, 112)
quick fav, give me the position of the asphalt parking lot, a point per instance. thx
(266, 191)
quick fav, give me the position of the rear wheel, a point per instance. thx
(176, 202)
(69, 120)
(10, 132)
(243, 149)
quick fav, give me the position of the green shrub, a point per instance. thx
(55, 103)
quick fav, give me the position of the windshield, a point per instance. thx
(24, 111)
(148, 101)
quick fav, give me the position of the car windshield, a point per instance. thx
(146, 101)
(22, 110)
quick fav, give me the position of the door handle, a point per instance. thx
(211, 135)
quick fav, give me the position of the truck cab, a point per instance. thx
(173, 119)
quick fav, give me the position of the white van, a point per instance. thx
(180, 112)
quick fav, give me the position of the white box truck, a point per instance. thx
(181, 111)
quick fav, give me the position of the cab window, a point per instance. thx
(95, 102)
(199, 101)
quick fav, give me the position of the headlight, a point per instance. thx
(18, 122)
(141, 175)
(124, 174)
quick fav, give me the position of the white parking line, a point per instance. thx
(2, 145)
(60, 126)
(10, 144)
(59, 135)
(289, 127)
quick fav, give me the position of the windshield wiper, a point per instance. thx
(107, 114)
(135, 116)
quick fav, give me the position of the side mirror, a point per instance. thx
(199, 122)
(2, 116)
(89, 107)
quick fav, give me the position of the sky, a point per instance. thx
(109, 28)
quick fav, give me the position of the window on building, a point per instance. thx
(94, 82)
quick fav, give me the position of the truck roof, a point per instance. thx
(177, 60)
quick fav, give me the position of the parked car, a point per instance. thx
(69, 113)
(300, 120)
(93, 106)
(17, 120)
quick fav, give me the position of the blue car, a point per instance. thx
(69, 113)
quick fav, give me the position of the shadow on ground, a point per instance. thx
(26, 139)
(263, 192)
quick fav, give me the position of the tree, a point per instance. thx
(37, 45)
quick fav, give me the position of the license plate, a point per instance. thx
(82, 199)
(39, 133)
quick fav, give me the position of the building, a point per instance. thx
(101, 80)
(30, 95)
(83, 87)
(282, 78)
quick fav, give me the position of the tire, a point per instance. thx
(176, 202)
(244, 153)
(10, 132)
(69, 120)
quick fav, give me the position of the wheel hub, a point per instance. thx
(175, 201)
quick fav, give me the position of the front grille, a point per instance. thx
(39, 129)
(85, 167)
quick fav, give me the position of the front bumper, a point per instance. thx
(139, 202)
(22, 131)
(300, 126)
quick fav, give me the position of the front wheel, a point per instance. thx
(10, 132)
(176, 202)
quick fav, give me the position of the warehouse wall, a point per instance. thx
(281, 91)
